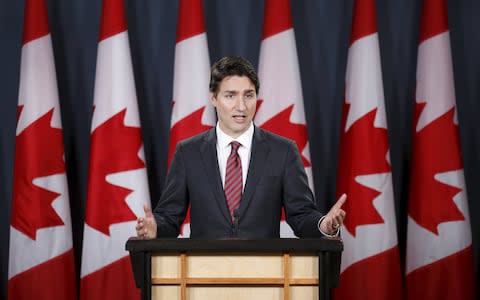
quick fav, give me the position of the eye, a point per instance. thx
(249, 96)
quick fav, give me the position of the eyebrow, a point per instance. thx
(230, 92)
(236, 92)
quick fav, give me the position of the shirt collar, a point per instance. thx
(224, 140)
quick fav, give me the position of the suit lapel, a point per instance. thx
(256, 167)
(210, 160)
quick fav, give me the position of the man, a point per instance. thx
(236, 176)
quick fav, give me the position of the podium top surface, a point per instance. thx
(293, 245)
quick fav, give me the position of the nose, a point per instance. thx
(240, 105)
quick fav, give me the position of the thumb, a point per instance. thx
(148, 210)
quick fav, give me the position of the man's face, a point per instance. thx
(236, 103)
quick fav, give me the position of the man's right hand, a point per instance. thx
(147, 226)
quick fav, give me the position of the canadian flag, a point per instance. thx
(41, 264)
(117, 183)
(280, 105)
(192, 112)
(439, 243)
(370, 267)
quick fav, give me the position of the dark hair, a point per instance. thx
(232, 66)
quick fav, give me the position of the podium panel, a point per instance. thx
(234, 293)
(280, 269)
(234, 265)
(240, 276)
(165, 292)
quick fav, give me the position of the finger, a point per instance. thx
(340, 202)
(335, 224)
(339, 213)
(338, 221)
(148, 210)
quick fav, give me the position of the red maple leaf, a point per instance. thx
(186, 128)
(280, 124)
(114, 149)
(363, 151)
(436, 149)
(38, 153)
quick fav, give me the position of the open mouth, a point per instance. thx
(239, 118)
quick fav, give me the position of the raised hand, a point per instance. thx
(147, 226)
(334, 218)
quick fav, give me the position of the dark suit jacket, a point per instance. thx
(276, 177)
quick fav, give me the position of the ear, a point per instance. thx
(213, 99)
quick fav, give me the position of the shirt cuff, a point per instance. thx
(326, 234)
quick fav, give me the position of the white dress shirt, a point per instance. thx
(224, 149)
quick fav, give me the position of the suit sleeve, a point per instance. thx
(172, 207)
(298, 201)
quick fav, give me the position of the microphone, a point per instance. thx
(236, 216)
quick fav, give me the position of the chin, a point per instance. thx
(241, 129)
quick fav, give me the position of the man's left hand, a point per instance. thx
(334, 218)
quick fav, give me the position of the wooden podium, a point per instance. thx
(235, 269)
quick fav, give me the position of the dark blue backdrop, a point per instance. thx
(234, 27)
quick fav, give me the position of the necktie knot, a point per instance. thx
(235, 146)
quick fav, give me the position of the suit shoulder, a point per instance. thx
(196, 140)
(275, 139)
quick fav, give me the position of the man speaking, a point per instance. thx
(237, 177)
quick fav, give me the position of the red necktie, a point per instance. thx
(233, 179)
